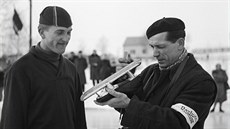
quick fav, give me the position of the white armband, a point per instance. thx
(189, 114)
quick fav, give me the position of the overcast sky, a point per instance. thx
(111, 21)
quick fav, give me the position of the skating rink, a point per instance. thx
(104, 117)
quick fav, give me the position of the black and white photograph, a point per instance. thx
(114, 64)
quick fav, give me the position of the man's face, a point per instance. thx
(94, 52)
(56, 39)
(80, 54)
(165, 51)
(218, 66)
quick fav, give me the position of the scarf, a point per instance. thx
(180, 59)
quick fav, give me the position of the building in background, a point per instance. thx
(208, 57)
(138, 47)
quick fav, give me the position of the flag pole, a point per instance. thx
(30, 40)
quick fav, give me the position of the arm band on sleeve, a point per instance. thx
(189, 114)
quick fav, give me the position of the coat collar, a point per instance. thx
(191, 61)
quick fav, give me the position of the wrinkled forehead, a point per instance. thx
(55, 28)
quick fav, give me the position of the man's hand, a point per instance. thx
(122, 63)
(120, 66)
(120, 100)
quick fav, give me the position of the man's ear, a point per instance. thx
(41, 32)
(180, 41)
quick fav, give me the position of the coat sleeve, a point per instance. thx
(16, 95)
(194, 101)
(80, 107)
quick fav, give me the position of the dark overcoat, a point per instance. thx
(81, 65)
(184, 105)
(39, 95)
(221, 80)
(1, 83)
(106, 69)
(95, 65)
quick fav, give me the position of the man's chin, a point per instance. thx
(60, 51)
(162, 65)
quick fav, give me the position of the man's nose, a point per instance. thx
(66, 38)
(155, 52)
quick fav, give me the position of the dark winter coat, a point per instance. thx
(81, 65)
(1, 83)
(221, 80)
(95, 65)
(106, 69)
(41, 95)
(1, 78)
(159, 106)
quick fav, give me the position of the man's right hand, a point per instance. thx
(122, 63)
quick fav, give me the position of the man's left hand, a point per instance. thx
(120, 100)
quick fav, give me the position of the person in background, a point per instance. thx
(113, 64)
(42, 89)
(221, 80)
(175, 93)
(72, 57)
(127, 59)
(95, 65)
(106, 69)
(81, 64)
